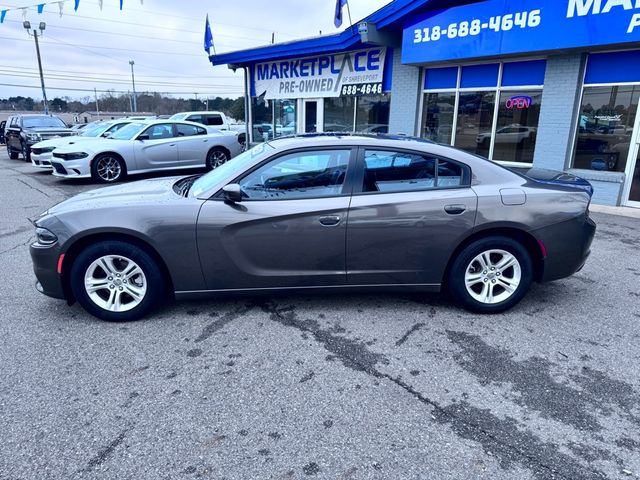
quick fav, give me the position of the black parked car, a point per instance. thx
(25, 130)
(2, 124)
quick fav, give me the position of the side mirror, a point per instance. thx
(144, 136)
(232, 192)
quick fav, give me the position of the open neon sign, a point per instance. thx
(519, 102)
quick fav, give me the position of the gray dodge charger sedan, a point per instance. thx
(318, 212)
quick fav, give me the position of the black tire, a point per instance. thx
(12, 155)
(153, 280)
(26, 152)
(216, 157)
(456, 277)
(117, 168)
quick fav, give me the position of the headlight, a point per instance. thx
(45, 237)
(34, 137)
(71, 156)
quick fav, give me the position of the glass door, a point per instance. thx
(634, 181)
(312, 115)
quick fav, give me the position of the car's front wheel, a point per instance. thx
(26, 152)
(216, 157)
(116, 281)
(108, 168)
(491, 275)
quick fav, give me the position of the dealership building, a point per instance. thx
(545, 83)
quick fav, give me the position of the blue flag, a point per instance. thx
(208, 37)
(76, 5)
(40, 8)
(337, 20)
(2, 14)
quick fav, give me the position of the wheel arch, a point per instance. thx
(528, 241)
(219, 147)
(78, 244)
(115, 154)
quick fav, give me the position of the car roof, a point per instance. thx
(199, 113)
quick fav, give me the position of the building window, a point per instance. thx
(605, 125)
(372, 114)
(285, 115)
(338, 114)
(475, 121)
(437, 123)
(515, 137)
(512, 89)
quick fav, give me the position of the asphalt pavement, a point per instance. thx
(358, 386)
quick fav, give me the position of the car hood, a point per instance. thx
(90, 144)
(48, 130)
(156, 192)
(61, 141)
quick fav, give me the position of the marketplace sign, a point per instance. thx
(502, 27)
(357, 72)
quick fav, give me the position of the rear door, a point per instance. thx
(408, 213)
(289, 230)
(157, 147)
(193, 145)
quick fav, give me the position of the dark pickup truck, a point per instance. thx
(25, 130)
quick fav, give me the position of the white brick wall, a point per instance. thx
(559, 111)
(405, 97)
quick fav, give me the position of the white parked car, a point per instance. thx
(510, 134)
(210, 119)
(42, 152)
(144, 147)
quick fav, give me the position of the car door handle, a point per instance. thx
(172, 144)
(456, 209)
(330, 220)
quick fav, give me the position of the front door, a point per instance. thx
(157, 147)
(289, 231)
(407, 219)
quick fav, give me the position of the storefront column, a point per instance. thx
(559, 112)
(405, 97)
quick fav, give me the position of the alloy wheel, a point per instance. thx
(115, 283)
(217, 158)
(493, 276)
(109, 169)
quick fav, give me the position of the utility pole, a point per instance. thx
(95, 92)
(133, 83)
(42, 26)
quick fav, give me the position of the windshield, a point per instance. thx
(233, 167)
(128, 132)
(95, 130)
(43, 121)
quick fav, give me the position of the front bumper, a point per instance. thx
(45, 266)
(42, 160)
(71, 168)
(568, 246)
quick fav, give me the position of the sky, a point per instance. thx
(91, 48)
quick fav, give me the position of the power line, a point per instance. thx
(109, 91)
(20, 69)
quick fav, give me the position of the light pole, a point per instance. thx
(42, 26)
(133, 83)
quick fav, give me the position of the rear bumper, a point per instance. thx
(568, 246)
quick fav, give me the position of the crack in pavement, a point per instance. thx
(466, 421)
(33, 188)
(409, 332)
(17, 246)
(227, 318)
(105, 452)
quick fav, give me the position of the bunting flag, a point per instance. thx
(121, 2)
(40, 8)
(77, 4)
(60, 7)
(100, 4)
(25, 10)
(2, 14)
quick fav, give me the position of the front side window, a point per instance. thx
(605, 125)
(312, 174)
(387, 172)
(159, 131)
(195, 119)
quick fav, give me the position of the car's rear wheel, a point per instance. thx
(108, 168)
(216, 157)
(491, 275)
(12, 155)
(116, 281)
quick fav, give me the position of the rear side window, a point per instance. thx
(389, 171)
(189, 130)
(213, 120)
